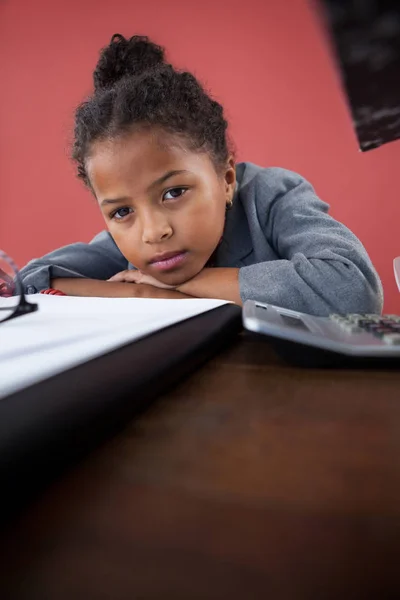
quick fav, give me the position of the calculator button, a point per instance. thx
(349, 327)
(391, 338)
(365, 323)
(375, 318)
(360, 319)
(381, 332)
(377, 327)
(337, 318)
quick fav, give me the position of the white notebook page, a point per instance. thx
(67, 331)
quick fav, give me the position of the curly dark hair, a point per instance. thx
(134, 87)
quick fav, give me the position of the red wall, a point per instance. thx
(266, 60)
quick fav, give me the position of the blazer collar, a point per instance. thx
(236, 242)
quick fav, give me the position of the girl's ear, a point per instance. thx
(230, 180)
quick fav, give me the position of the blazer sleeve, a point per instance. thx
(100, 259)
(322, 267)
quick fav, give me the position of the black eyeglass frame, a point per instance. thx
(23, 307)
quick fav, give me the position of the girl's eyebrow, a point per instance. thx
(166, 176)
(114, 200)
(155, 183)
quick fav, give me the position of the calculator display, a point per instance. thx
(294, 322)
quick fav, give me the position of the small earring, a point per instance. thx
(229, 204)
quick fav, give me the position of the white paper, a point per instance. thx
(67, 331)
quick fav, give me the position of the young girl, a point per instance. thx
(183, 219)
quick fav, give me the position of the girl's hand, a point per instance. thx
(135, 276)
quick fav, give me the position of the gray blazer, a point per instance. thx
(289, 251)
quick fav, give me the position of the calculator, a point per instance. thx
(348, 339)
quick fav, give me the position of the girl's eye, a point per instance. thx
(174, 193)
(121, 213)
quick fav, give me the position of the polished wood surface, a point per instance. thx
(252, 479)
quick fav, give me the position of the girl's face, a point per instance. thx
(163, 205)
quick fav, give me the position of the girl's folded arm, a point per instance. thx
(110, 289)
(323, 267)
(100, 259)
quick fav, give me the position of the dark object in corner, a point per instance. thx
(366, 38)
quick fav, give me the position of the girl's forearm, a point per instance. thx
(109, 289)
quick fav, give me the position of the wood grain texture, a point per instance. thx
(253, 479)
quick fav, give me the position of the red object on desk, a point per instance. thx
(53, 292)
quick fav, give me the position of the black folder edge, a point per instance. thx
(50, 425)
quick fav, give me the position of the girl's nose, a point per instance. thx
(155, 229)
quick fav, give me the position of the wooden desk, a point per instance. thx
(251, 480)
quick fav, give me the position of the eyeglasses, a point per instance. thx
(12, 298)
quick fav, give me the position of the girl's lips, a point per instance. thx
(169, 263)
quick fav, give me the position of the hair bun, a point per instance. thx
(126, 57)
